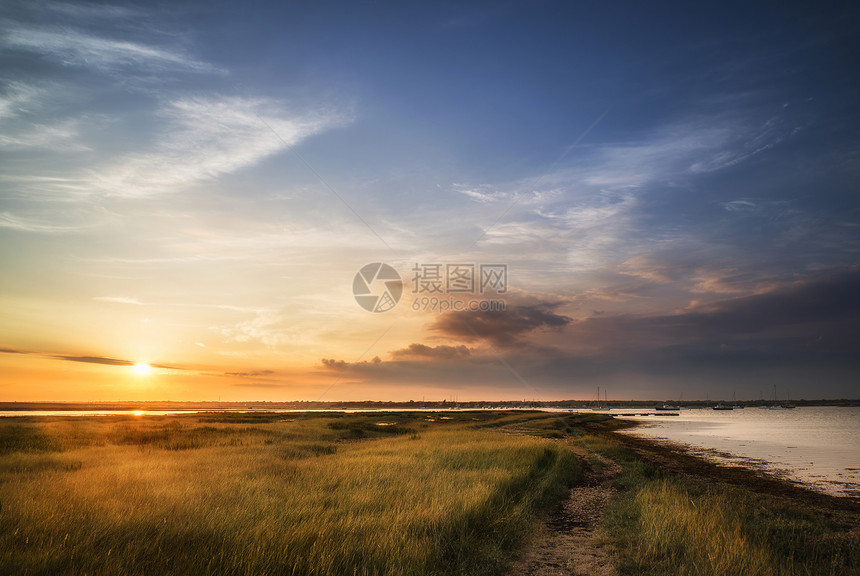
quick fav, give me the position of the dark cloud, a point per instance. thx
(333, 364)
(110, 361)
(825, 297)
(503, 328)
(95, 360)
(441, 352)
(806, 331)
(105, 360)
(817, 313)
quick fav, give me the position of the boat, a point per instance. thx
(779, 406)
(722, 406)
(735, 405)
(666, 408)
(597, 407)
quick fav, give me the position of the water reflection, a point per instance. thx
(816, 445)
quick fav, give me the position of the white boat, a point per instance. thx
(597, 407)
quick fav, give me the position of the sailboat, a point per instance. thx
(597, 407)
(776, 405)
(735, 405)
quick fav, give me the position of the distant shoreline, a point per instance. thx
(382, 405)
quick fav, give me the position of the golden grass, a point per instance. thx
(187, 496)
(704, 535)
(668, 524)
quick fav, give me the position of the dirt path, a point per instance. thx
(569, 543)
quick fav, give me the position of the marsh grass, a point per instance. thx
(371, 494)
(256, 494)
(668, 524)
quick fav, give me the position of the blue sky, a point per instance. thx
(195, 184)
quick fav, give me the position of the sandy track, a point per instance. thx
(569, 543)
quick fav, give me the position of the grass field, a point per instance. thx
(383, 493)
(669, 524)
(272, 494)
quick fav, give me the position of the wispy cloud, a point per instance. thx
(204, 138)
(251, 374)
(120, 300)
(104, 360)
(19, 97)
(72, 47)
(27, 119)
(13, 222)
(96, 360)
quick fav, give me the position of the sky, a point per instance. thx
(429, 200)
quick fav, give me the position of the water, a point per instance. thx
(12, 413)
(816, 446)
(96, 412)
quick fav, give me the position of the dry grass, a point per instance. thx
(669, 524)
(706, 534)
(321, 495)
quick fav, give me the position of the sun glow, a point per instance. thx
(142, 369)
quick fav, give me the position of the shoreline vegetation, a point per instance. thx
(451, 492)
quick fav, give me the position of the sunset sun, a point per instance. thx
(142, 369)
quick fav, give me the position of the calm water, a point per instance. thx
(819, 447)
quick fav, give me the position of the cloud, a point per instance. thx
(204, 138)
(500, 328)
(267, 327)
(710, 282)
(648, 269)
(71, 47)
(483, 194)
(89, 12)
(739, 206)
(441, 352)
(96, 360)
(333, 364)
(251, 374)
(259, 384)
(11, 351)
(63, 136)
(819, 298)
(105, 360)
(13, 222)
(607, 199)
(807, 327)
(110, 361)
(815, 314)
(119, 300)
(341, 365)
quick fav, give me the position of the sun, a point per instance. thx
(142, 369)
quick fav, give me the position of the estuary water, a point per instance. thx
(816, 446)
